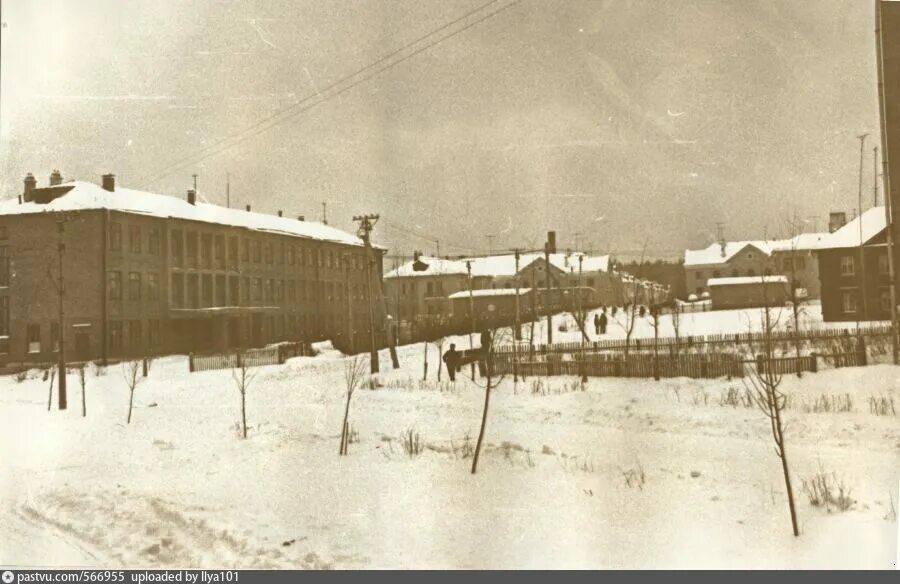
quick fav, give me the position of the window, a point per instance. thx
(292, 255)
(716, 273)
(191, 249)
(234, 291)
(134, 239)
(233, 253)
(883, 267)
(734, 273)
(177, 248)
(268, 290)
(279, 290)
(54, 336)
(848, 301)
(115, 336)
(245, 250)
(281, 253)
(135, 334)
(33, 338)
(114, 285)
(848, 266)
(153, 241)
(193, 291)
(153, 286)
(4, 316)
(699, 275)
(884, 299)
(134, 286)
(220, 290)
(206, 243)
(178, 290)
(751, 272)
(328, 258)
(257, 251)
(269, 253)
(206, 292)
(219, 250)
(4, 232)
(115, 236)
(429, 290)
(154, 333)
(257, 289)
(4, 266)
(291, 291)
(246, 293)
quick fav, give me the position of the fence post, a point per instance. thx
(239, 359)
(814, 362)
(190, 362)
(862, 356)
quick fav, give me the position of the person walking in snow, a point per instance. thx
(603, 322)
(597, 323)
(451, 359)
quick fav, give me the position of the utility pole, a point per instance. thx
(61, 364)
(366, 223)
(875, 176)
(517, 332)
(350, 340)
(547, 293)
(195, 175)
(887, 186)
(471, 314)
(862, 254)
(490, 239)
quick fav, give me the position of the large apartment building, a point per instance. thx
(145, 273)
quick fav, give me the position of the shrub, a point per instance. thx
(412, 443)
(882, 406)
(634, 476)
(825, 489)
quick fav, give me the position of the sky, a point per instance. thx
(623, 125)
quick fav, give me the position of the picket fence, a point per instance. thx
(275, 355)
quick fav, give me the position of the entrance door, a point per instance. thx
(82, 346)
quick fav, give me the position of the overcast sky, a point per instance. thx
(624, 121)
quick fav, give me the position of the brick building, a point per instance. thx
(152, 274)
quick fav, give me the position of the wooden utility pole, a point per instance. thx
(875, 177)
(887, 185)
(366, 223)
(195, 175)
(350, 340)
(471, 314)
(61, 364)
(547, 293)
(862, 248)
(518, 332)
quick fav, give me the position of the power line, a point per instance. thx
(260, 127)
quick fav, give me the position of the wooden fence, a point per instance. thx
(276, 355)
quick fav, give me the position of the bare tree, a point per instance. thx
(354, 369)
(490, 381)
(793, 268)
(764, 383)
(439, 345)
(52, 373)
(654, 315)
(83, 379)
(630, 311)
(131, 370)
(676, 324)
(243, 377)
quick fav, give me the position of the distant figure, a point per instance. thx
(597, 323)
(614, 309)
(642, 311)
(603, 323)
(451, 359)
(485, 352)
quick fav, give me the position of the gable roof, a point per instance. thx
(873, 222)
(83, 196)
(505, 265)
(713, 255)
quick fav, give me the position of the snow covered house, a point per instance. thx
(146, 273)
(793, 257)
(852, 290)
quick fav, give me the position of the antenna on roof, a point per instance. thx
(195, 175)
(324, 212)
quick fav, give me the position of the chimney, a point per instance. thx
(279, 213)
(248, 208)
(109, 182)
(30, 185)
(416, 256)
(192, 196)
(551, 242)
(301, 218)
(836, 220)
(55, 178)
(722, 248)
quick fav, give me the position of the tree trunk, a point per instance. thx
(344, 438)
(487, 398)
(244, 411)
(130, 404)
(787, 474)
(83, 402)
(425, 361)
(50, 393)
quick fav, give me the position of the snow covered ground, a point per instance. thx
(178, 487)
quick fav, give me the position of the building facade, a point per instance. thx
(148, 274)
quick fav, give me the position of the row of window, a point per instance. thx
(208, 290)
(139, 286)
(850, 302)
(205, 250)
(848, 265)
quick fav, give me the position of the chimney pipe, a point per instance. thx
(551, 241)
(279, 213)
(192, 196)
(109, 182)
(55, 178)
(30, 185)
(301, 218)
(248, 207)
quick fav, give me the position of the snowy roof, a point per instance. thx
(489, 292)
(873, 222)
(505, 265)
(428, 266)
(713, 254)
(746, 280)
(83, 196)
